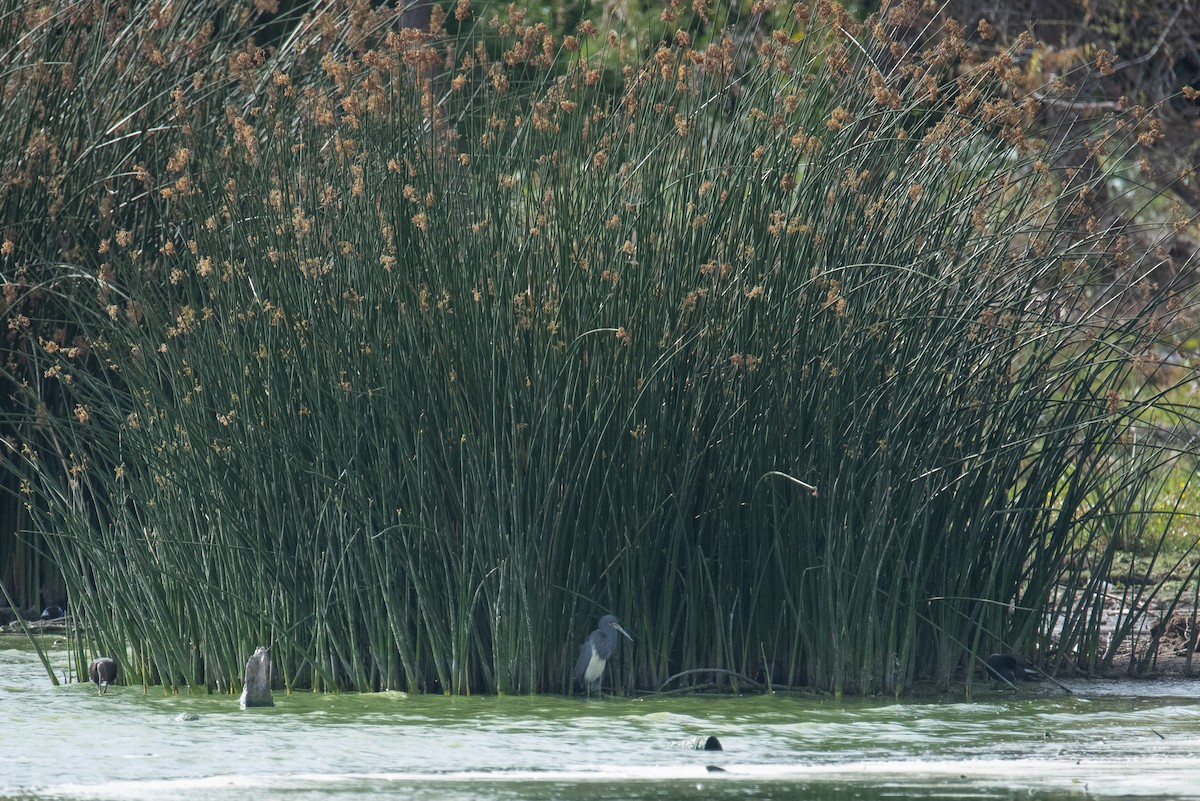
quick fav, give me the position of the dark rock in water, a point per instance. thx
(1009, 667)
(186, 717)
(53, 613)
(712, 744)
(715, 769)
(256, 691)
(103, 672)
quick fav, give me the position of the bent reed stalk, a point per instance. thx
(410, 353)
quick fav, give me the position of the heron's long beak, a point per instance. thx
(617, 626)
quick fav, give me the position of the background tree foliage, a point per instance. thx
(1145, 56)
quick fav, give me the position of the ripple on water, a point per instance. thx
(349, 746)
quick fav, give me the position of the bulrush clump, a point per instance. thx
(410, 342)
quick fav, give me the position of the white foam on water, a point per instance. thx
(1132, 777)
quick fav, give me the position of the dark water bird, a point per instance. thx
(103, 672)
(595, 653)
(709, 743)
(53, 613)
(256, 690)
(1009, 667)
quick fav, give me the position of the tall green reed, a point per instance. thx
(415, 354)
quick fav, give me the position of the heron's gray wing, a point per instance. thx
(585, 657)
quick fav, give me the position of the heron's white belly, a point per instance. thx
(595, 667)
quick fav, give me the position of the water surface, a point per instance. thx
(1109, 740)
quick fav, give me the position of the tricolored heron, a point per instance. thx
(596, 651)
(256, 690)
(103, 672)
